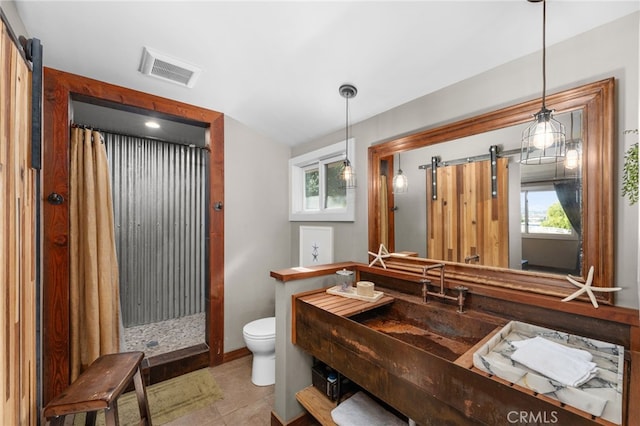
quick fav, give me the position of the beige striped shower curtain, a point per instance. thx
(94, 287)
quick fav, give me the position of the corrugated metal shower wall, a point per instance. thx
(159, 197)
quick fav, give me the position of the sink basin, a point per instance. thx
(433, 327)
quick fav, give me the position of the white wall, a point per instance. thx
(607, 51)
(9, 10)
(256, 226)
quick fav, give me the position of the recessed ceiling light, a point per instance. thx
(152, 124)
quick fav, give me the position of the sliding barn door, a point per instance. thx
(465, 219)
(17, 241)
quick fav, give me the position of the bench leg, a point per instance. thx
(90, 418)
(141, 395)
(55, 421)
(111, 414)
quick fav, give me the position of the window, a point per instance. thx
(541, 213)
(316, 193)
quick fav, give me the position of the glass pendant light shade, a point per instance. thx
(400, 181)
(543, 141)
(571, 160)
(348, 175)
(573, 155)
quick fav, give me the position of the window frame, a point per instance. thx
(319, 157)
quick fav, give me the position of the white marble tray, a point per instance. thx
(600, 396)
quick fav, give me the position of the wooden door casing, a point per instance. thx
(60, 89)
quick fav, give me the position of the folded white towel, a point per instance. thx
(360, 410)
(569, 366)
(580, 353)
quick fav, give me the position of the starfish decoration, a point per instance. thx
(383, 253)
(587, 288)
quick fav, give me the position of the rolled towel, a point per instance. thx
(364, 288)
(569, 366)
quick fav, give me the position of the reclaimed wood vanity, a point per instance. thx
(418, 357)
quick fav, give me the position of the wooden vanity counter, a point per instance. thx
(446, 390)
(428, 388)
(336, 305)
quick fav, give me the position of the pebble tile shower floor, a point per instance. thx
(165, 336)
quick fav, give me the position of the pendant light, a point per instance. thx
(544, 140)
(348, 174)
(572, 160)
(400, 181)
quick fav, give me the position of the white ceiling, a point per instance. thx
(277, 66)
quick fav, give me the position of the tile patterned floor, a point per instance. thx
(165, 336)
(243, 404)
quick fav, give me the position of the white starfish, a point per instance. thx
(587, 288)
(383, 253)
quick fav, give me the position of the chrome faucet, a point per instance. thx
(462, 291)
(475, 257)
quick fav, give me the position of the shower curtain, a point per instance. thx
(94, 289)
(569, 194)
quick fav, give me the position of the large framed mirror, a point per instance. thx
(513, 256)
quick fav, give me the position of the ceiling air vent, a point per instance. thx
(164, 67)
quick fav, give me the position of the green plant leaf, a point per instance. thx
(630, 174)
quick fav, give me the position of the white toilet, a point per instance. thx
(260, 338)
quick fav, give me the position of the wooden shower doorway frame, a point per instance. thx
(60, 89)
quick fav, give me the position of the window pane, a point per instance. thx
(311, 189)
(545, 214)
(336, 193)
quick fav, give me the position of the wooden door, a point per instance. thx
(17, 240)
(465, 219)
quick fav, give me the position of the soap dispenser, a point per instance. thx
(345, 279)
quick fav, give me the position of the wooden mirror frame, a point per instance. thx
(596, 100)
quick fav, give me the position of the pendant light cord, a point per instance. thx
(544, 52)
(346, 128)
(347, 91)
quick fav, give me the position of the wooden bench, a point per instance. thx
(98, 388)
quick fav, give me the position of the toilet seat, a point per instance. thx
(261, 329)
